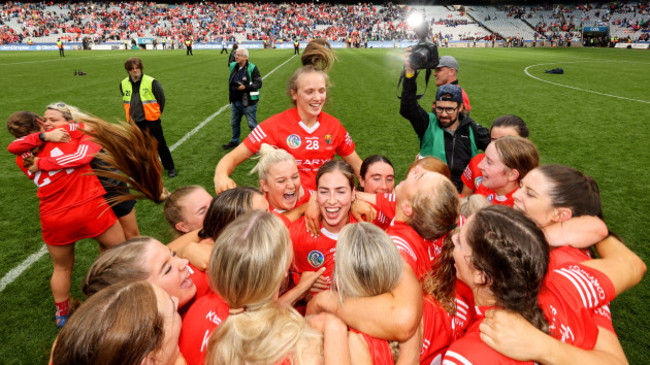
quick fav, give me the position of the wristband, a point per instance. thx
(41, 136)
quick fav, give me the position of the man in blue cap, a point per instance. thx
(446, 133)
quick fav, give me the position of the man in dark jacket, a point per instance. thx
(446, 133)
(244, 84)
(144, 101)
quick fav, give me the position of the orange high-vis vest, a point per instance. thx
(149, 102)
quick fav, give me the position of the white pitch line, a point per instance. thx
(573, 87)
(14, 273)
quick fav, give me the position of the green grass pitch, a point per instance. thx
(594, 118)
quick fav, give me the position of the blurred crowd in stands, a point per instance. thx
(213, 22)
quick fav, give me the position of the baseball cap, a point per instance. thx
(449, 92)
(448, 61)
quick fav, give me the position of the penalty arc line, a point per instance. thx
(573, 87)
(14, 273)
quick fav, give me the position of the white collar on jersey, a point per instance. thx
(307, 129)
(328, 234)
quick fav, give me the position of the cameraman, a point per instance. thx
(244, 83)
(446, 133)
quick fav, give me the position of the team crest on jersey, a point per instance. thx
(328, 138)
(293, 141)
(478, 181)
(490, 198)
(315, 258)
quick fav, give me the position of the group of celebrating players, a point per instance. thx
(311, 267)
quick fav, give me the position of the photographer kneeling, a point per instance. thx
(446, 133)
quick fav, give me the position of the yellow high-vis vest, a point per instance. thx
(149, 102)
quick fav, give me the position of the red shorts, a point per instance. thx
(86, 220)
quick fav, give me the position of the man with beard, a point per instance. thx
(446, 133)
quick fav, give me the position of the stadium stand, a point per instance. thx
(211, 22)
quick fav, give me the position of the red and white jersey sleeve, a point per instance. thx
(311, 253)
(63, 188)
(495, 199)
(410, 246)
(386, 206)
(470, 350)
(472, 176)
(437, 333)
(26, 143)
(202, 318)
(310, 146)
(565, 255)
(568, 297)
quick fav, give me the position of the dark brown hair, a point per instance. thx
(224, 208)
(572, 189)
(134, 154)
(133, 61)
(173, 208)
(517, 153)
(511, 121)
(21, 124)
(512, 252)
(336, 165)
(122, 262)
(119, 325)
(369, 161)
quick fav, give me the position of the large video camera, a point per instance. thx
(424, 55)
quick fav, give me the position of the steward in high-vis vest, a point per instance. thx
(446, 133)
(244, 84)
(60, 45)
(144, 101)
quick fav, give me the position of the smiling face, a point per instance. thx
(52, 119)
(194, 206)
(169, 272)
(496, 175)
(379, 178)
(334, 195)
(534, 200)
(309, 96)
(168, 309)
(282, 185)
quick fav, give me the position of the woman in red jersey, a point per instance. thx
(505, 125)
(310, 135)
(507, 160)
(503, 257)
(72, 206)
(250, 260)
(334, 194)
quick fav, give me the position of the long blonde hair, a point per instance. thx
(367, 262)
(249, 260)
(263, 336)
(246, 268)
